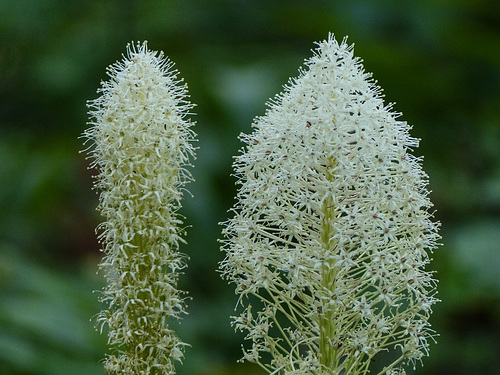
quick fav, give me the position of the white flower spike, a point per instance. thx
(331, 230)
(141, 145)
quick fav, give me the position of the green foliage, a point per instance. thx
(438, 59)
(45, 318)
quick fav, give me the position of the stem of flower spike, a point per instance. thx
(327, 322)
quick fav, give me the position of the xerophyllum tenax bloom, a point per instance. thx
(331, 231)
(141, 145)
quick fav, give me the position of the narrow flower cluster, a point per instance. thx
(331, 231)
(141, 146)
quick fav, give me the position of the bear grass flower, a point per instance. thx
(141, 145)
(331, 231)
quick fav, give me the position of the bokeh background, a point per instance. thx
(439, 60)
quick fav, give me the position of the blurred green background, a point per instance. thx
(439, 60)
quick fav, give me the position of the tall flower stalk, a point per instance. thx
(331, 231)
(141, 145)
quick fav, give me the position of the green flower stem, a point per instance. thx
(328, 321)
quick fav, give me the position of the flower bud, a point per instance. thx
(141, 146)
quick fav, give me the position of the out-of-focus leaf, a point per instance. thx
(45, 316)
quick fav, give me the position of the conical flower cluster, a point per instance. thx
(141, 145)
(331, 230)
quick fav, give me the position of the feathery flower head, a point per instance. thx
(141, 145)
(331, 230)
